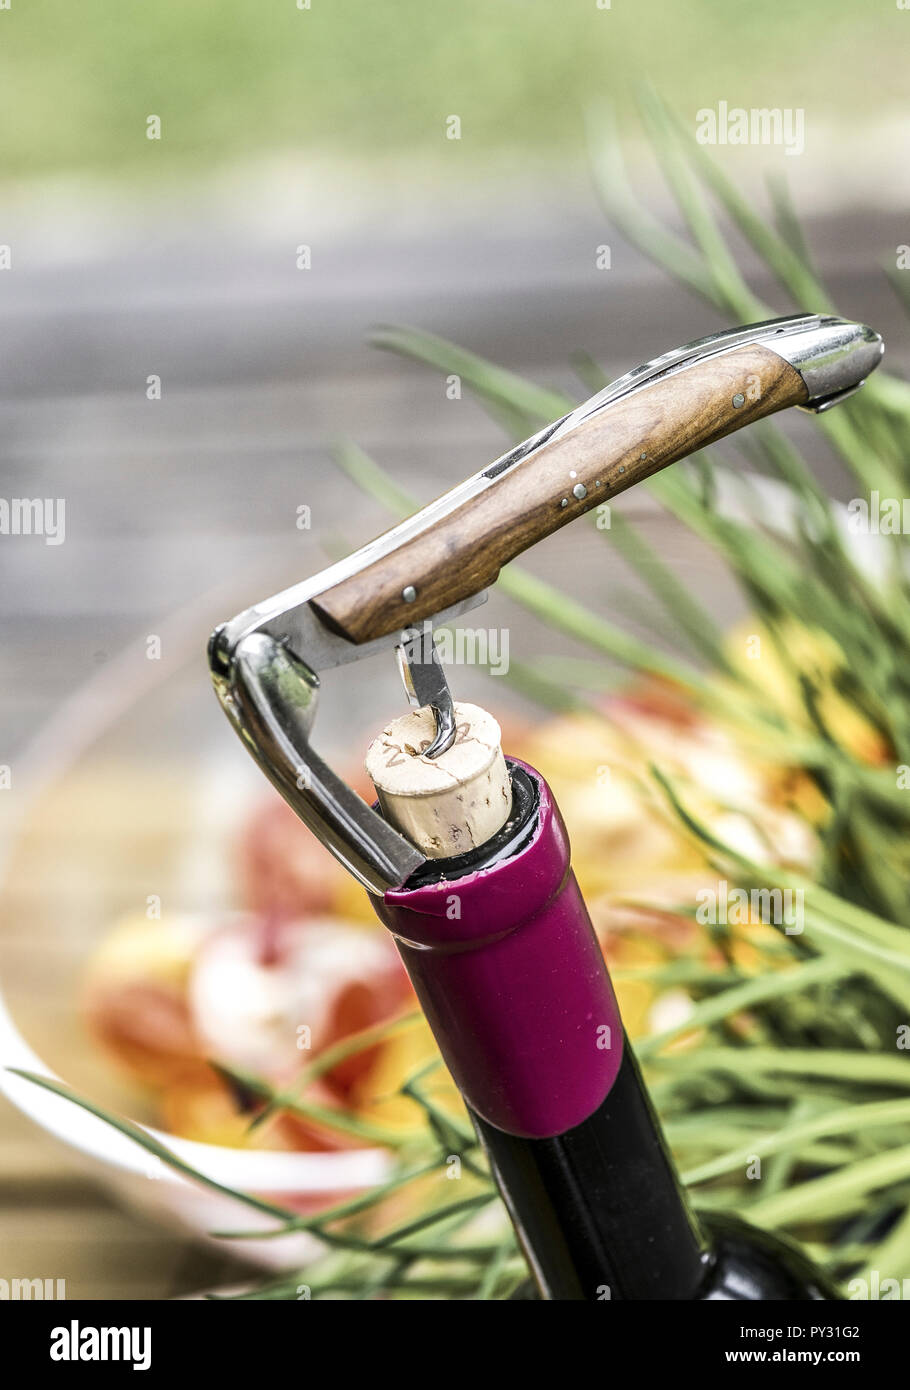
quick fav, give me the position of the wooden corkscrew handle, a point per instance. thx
(593, 462)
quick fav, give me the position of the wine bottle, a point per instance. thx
(506, 965)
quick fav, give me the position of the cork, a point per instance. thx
(446, 805)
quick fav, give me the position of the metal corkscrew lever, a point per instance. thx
(439, 563)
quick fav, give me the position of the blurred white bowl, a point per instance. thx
(65, 883)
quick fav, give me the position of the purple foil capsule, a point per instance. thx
(512, 980)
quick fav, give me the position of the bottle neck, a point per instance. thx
(510, 975)
(599, 1210)
(512, 980)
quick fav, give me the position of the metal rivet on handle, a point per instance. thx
(579, 491)
(738, 400)
(409, 593)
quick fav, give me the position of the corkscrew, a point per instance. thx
(440, 562)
